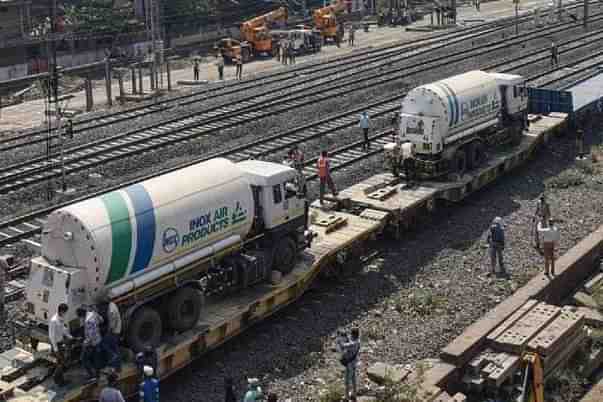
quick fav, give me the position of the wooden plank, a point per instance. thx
(506, 324)
(515, 338)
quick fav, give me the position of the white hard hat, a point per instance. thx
(148, 370)
(498, 220)
(252, 381)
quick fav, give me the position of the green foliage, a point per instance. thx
(334, 393)
(190, 15)
(565, 386)
(406, 391)
(99, 16)
(566, 179)
(424, 302)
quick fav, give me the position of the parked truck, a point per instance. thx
(325, 19)
(447, 125)
(160, 247)
(256, 39)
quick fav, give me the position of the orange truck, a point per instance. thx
(255, 37)
(325, 19)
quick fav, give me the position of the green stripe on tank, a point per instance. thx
(121, 235)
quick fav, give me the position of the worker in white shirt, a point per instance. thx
(549, 236)
(58, 333)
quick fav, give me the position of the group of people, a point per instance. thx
(285, 52)
(98, 335)
(545, 234)
(219, 62)
(348, 348)
(99, 332)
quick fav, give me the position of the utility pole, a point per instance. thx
(516, 16)
(53, 83)
(150, 16)
(453, 11)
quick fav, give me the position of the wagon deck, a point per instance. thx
(371, 204)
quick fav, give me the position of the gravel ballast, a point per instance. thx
(416, 296)
(409, 302)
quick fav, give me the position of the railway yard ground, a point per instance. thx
(31, 114)
(410, 297)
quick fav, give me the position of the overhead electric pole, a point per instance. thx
(53, 83)
(516, 16)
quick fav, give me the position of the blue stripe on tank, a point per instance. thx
(145, 226)
(450, 103)
(456, 103)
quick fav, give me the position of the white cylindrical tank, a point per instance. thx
(130, 232)
(458, 102)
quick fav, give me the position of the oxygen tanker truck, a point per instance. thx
(159, 247)
(445, 126)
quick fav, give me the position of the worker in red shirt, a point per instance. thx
(324, 173)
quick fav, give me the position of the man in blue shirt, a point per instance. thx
(365, 124)
(149, 387)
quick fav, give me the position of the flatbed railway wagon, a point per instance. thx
(339, 231)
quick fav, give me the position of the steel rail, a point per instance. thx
(291, 74)
(37, 169)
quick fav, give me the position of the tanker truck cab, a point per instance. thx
(514, 96)
(282, 209)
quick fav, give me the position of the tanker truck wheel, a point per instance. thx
(144, 329)
(184, 308)
(475, 154)
(459, 162)
(284, 255)
(516, 134)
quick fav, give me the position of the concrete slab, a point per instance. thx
(592, 285)
(593, 317)
(382, 373)
(585, 300)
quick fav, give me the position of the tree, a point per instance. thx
(99, 16)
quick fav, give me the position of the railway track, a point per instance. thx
(26, 227)
(420, 46)
(163, 134)
(231, 87)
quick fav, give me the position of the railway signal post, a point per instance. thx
(516, 2)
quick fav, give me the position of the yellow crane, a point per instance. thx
(255, 35)
(325, 19)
